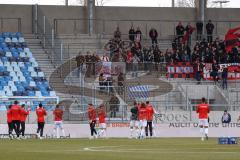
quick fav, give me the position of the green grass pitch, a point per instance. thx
(118, 149)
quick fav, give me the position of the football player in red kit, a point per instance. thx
(15, 112)
(58, 123)
(203, 111)
(9, 121)
(92, 120)
(150, 113)
(41, 113)
(23, 117)
(102, 121)
(142, 115)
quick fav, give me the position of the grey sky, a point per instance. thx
(147, 3)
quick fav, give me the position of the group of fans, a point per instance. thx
(141, 120)
(17, 115)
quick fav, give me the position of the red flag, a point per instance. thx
(231, 39)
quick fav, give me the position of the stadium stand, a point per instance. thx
(20, 74)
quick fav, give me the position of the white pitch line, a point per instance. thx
(120, 150)
(160, 151)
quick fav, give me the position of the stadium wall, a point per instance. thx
(25, 12)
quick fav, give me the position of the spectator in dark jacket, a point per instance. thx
(131, 34)
(120, 83)
(224, 78)
(80, 61)
(114, 105)
(153, 34)
(117, 34)
(189, 29)
(226, 118)
(214, 72)
(138, 35)
(180, 30)
(209, 29)
(199, 26)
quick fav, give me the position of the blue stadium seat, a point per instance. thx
(14, 40)
(20, 49)
(7, 78)
(3, 44)
(1, 39)
(45, 93)
(15, 54)
(17, 93)
(20, 88)
(2, 68)
(25, 84)
(31, 93)
(13, 49)
(18, 34)
(12, 35)
(6, 49)
(5, 34)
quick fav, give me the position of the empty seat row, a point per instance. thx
(20, 74)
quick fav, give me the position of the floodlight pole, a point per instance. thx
(90, 11)
(173, 3)
(200, 8)
(221, 3)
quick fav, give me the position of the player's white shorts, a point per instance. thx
(134, 123)
(142, 123)
(58, 124)
(102, 125)
(203, 122)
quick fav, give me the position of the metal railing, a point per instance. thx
(29, 100)
(49, 40)
(102, 26)
(121, 113)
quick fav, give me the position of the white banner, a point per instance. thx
(121, 130)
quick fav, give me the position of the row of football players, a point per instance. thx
(141, 120)
(92, 115)
(17, 115)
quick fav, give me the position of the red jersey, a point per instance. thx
(58, 114)
(15, 112)
(23, 115)
(101, 116)
(203, 110)
(142, 113)
(138, 106)
(9, 116)
(41, 113)
(150, 112)
(91, 113)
